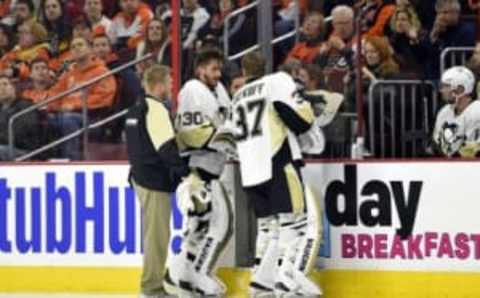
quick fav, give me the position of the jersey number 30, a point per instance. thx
(255, 108)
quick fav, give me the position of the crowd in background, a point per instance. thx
(50, 46)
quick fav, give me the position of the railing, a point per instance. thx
(400, 117)
(85, 127)
(226, 45)
(228, 18)
(449, 57)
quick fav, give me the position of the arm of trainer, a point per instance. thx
(161, 133)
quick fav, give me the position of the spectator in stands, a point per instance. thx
(409, 42)
(130, 24)
(102, 47)
(380, 63)
(311, 76)
(68, 117)
(337, 53)
(25, 129)
(194, 20)
(156, 41)
(286, 13)
(23, 11)
(57, 25)
(412, 12)
(128, 83)
(375, 16)
(199, 15)
(93, 10)
(31, 45)
(81, 28)
(311, 36)
(225, 7)
(238, 25)
(448, 31)
(41, 81)
(6, 39)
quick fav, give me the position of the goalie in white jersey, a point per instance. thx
(457, 127)
(267, 115)
(203, 107)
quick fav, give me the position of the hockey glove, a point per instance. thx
(192, 194)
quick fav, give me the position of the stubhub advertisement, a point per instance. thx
(70, 215)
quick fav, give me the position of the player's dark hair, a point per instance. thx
(208, 55)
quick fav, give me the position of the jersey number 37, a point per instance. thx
(248, 118)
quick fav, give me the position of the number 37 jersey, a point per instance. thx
(266, 115)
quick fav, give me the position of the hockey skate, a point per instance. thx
(261, 290)
(295, 284)
(193, 284)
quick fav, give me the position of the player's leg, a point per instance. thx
(178, 279)
(208, 230)
(266, 257)
(310, 242)
(294, 227)
(194, 201)
(213, 243)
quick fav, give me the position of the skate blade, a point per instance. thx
(177, 291)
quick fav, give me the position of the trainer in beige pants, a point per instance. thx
(156, 208)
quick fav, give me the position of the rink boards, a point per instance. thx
(391, 229)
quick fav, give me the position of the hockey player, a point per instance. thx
(457, 127)
(267, 115)
(203, 107)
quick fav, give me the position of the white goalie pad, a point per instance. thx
(313, 141)
(330, 107)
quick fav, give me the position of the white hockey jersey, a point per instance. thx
(452, 132)
(201, 111)
(259, 130)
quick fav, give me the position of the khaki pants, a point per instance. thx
(156, 208)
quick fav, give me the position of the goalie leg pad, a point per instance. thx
(311, 234)
(220, 227)
(212, 243)
(291, 278)
(205, 237)
(266, 256)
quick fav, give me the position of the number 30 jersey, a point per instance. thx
(200, 112)
(266, 115)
